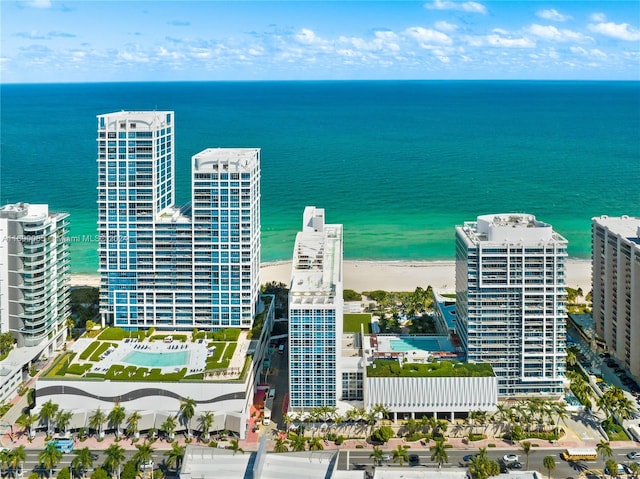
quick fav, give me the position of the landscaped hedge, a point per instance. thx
(101, 349)
(90, 349)
(391, 368)
(78, 369)
(118, 334)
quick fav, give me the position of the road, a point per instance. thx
(32, 464)
(360, 459)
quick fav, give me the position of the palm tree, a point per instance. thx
(298, 443)
(169, 427)
(280, 445)
(132, 424)
(380, 411)
(16, 459)
(439, 454)
(315, 444)
(63, 419)
(96, 422)
(234, 445)
(187, 411)
(143, 455)
(4, 459)
(26, 421)
(115, 458)
(47, 413)
(376, 455)
(612, 467)
(82, 461)
(604, 449)
(525, 447)
(549, 464)
(634, 468)
(400, 454)
(115, 418)
(50, 457)
(206, 421)
(174, 455)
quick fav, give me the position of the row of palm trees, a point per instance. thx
(534, 414)
(83, 461)
(58, 419)
(329, 414)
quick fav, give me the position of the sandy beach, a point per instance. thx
(387, 275)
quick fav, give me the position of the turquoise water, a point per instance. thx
(157, 360)
(399, 163)
(423, 344)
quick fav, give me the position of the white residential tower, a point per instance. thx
(315, 314)
(510, 301)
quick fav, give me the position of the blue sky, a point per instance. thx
(93, 41)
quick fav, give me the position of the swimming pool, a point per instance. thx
(402, 345)
(157, 359)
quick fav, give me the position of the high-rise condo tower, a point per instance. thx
(315, 314)
(616, 288)
(170, 267)
(510, 290)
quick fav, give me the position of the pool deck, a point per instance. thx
(197, 357)
(428, 344)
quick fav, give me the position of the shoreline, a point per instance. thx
(387, 275)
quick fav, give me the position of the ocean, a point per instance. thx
(399, 163)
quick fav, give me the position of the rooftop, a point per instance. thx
(627, 227)
(226, 159)
(316, 273)
(434, 369)
(116, 354)
(509, 228)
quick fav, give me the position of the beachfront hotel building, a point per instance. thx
(34, 287)
(616, 287)
(510, 301)
(316, 314)
(167, 266)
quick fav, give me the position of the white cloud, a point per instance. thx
(306, 36)
(39, 3)
(553, 15)
(428, 37)
(594, 52)
(551, 33)
(495, 40)
(598, 17)
(385, 35)
(620, 31)
(473, 7)
(446, 26)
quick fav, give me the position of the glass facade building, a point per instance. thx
(315, 314)
(510, 301)
(34, 274)
(175, 267)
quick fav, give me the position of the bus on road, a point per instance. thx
(63, 445)
(580, 454)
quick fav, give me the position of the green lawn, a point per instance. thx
(352, 322)
(390, 368)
